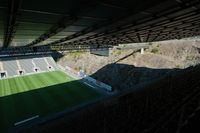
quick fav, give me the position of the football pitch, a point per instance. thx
(40, 95)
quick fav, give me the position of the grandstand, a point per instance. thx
(37, 95)
(27, 65)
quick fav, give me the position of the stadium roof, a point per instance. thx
(80, 22)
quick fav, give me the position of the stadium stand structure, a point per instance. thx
(30, 28)
(10, 66)
(41, 64)
(51, 62)
(26, 65)
(13, 66)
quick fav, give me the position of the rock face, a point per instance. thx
(127, 68)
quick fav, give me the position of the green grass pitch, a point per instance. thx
(40, 94)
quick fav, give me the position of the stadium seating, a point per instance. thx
(40, 63)
(27, 64)
(51, 62)
(11, 67)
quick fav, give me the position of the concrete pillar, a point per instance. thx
(142, 51)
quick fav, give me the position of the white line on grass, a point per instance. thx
(29, 119)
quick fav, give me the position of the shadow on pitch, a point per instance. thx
(51, 99)
(43, 102)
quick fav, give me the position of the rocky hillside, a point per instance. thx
(126, 68)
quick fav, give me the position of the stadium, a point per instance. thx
(99, 66)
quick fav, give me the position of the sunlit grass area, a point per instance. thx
(40, 94)
(36, 81)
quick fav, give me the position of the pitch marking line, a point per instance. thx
(23, 121)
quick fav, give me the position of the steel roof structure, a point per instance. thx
(90, 22)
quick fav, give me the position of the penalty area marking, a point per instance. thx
(26, 120)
